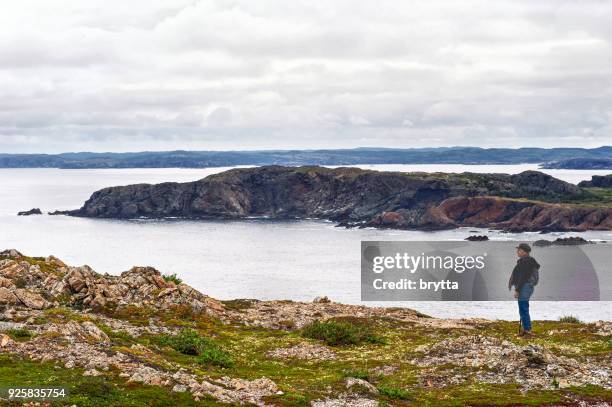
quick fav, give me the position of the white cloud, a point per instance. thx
(229, 74)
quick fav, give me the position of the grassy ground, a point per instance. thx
(301, 380)
(238, 351)
(603, 196)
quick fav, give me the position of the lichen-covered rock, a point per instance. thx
(345, 401)
(31, 299)
(532, 365)
(7, 297)
(360, 386)
(6, 283)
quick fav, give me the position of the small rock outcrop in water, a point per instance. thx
(363, 198)
(562, 241)
(570, 241)
(121, 329)
(54, 213)
(477, 238)
(33, 211)
(597, 181)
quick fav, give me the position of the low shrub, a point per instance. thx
(569, 319)
(20, 282)
(339, 332)
(394, 393)
(214, 355)
(119, 336)
(172, 277)
(189, 342)
(20, 334)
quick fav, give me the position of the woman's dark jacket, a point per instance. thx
(523, 272)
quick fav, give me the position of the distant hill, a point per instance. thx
(202, 159)
(581, 163)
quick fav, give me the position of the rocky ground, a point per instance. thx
(143, 338)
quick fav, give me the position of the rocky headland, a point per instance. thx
(143, 338)
(529, 201)
(597, 181)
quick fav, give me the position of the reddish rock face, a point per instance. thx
(391, 218)
(511, 214)
(481, 211)
(498, 213)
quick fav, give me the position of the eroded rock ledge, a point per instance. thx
(354, 197)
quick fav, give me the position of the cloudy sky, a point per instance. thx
(107, 75)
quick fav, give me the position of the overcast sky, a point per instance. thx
(155, 75)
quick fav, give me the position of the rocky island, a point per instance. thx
(143, 338)
(529, 201)
(33, 211)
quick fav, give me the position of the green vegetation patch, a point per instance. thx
(395, 393)
(569, 319)
(339, 332)
(172, 278)
(595, 197)
(87, 391)
(190, 342)
(20, 335)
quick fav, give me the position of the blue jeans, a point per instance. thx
(523, 305)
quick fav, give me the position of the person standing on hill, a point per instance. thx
(525, 276)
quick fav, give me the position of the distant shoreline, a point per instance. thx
(323, 157)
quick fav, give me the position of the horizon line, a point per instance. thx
(313, 150)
